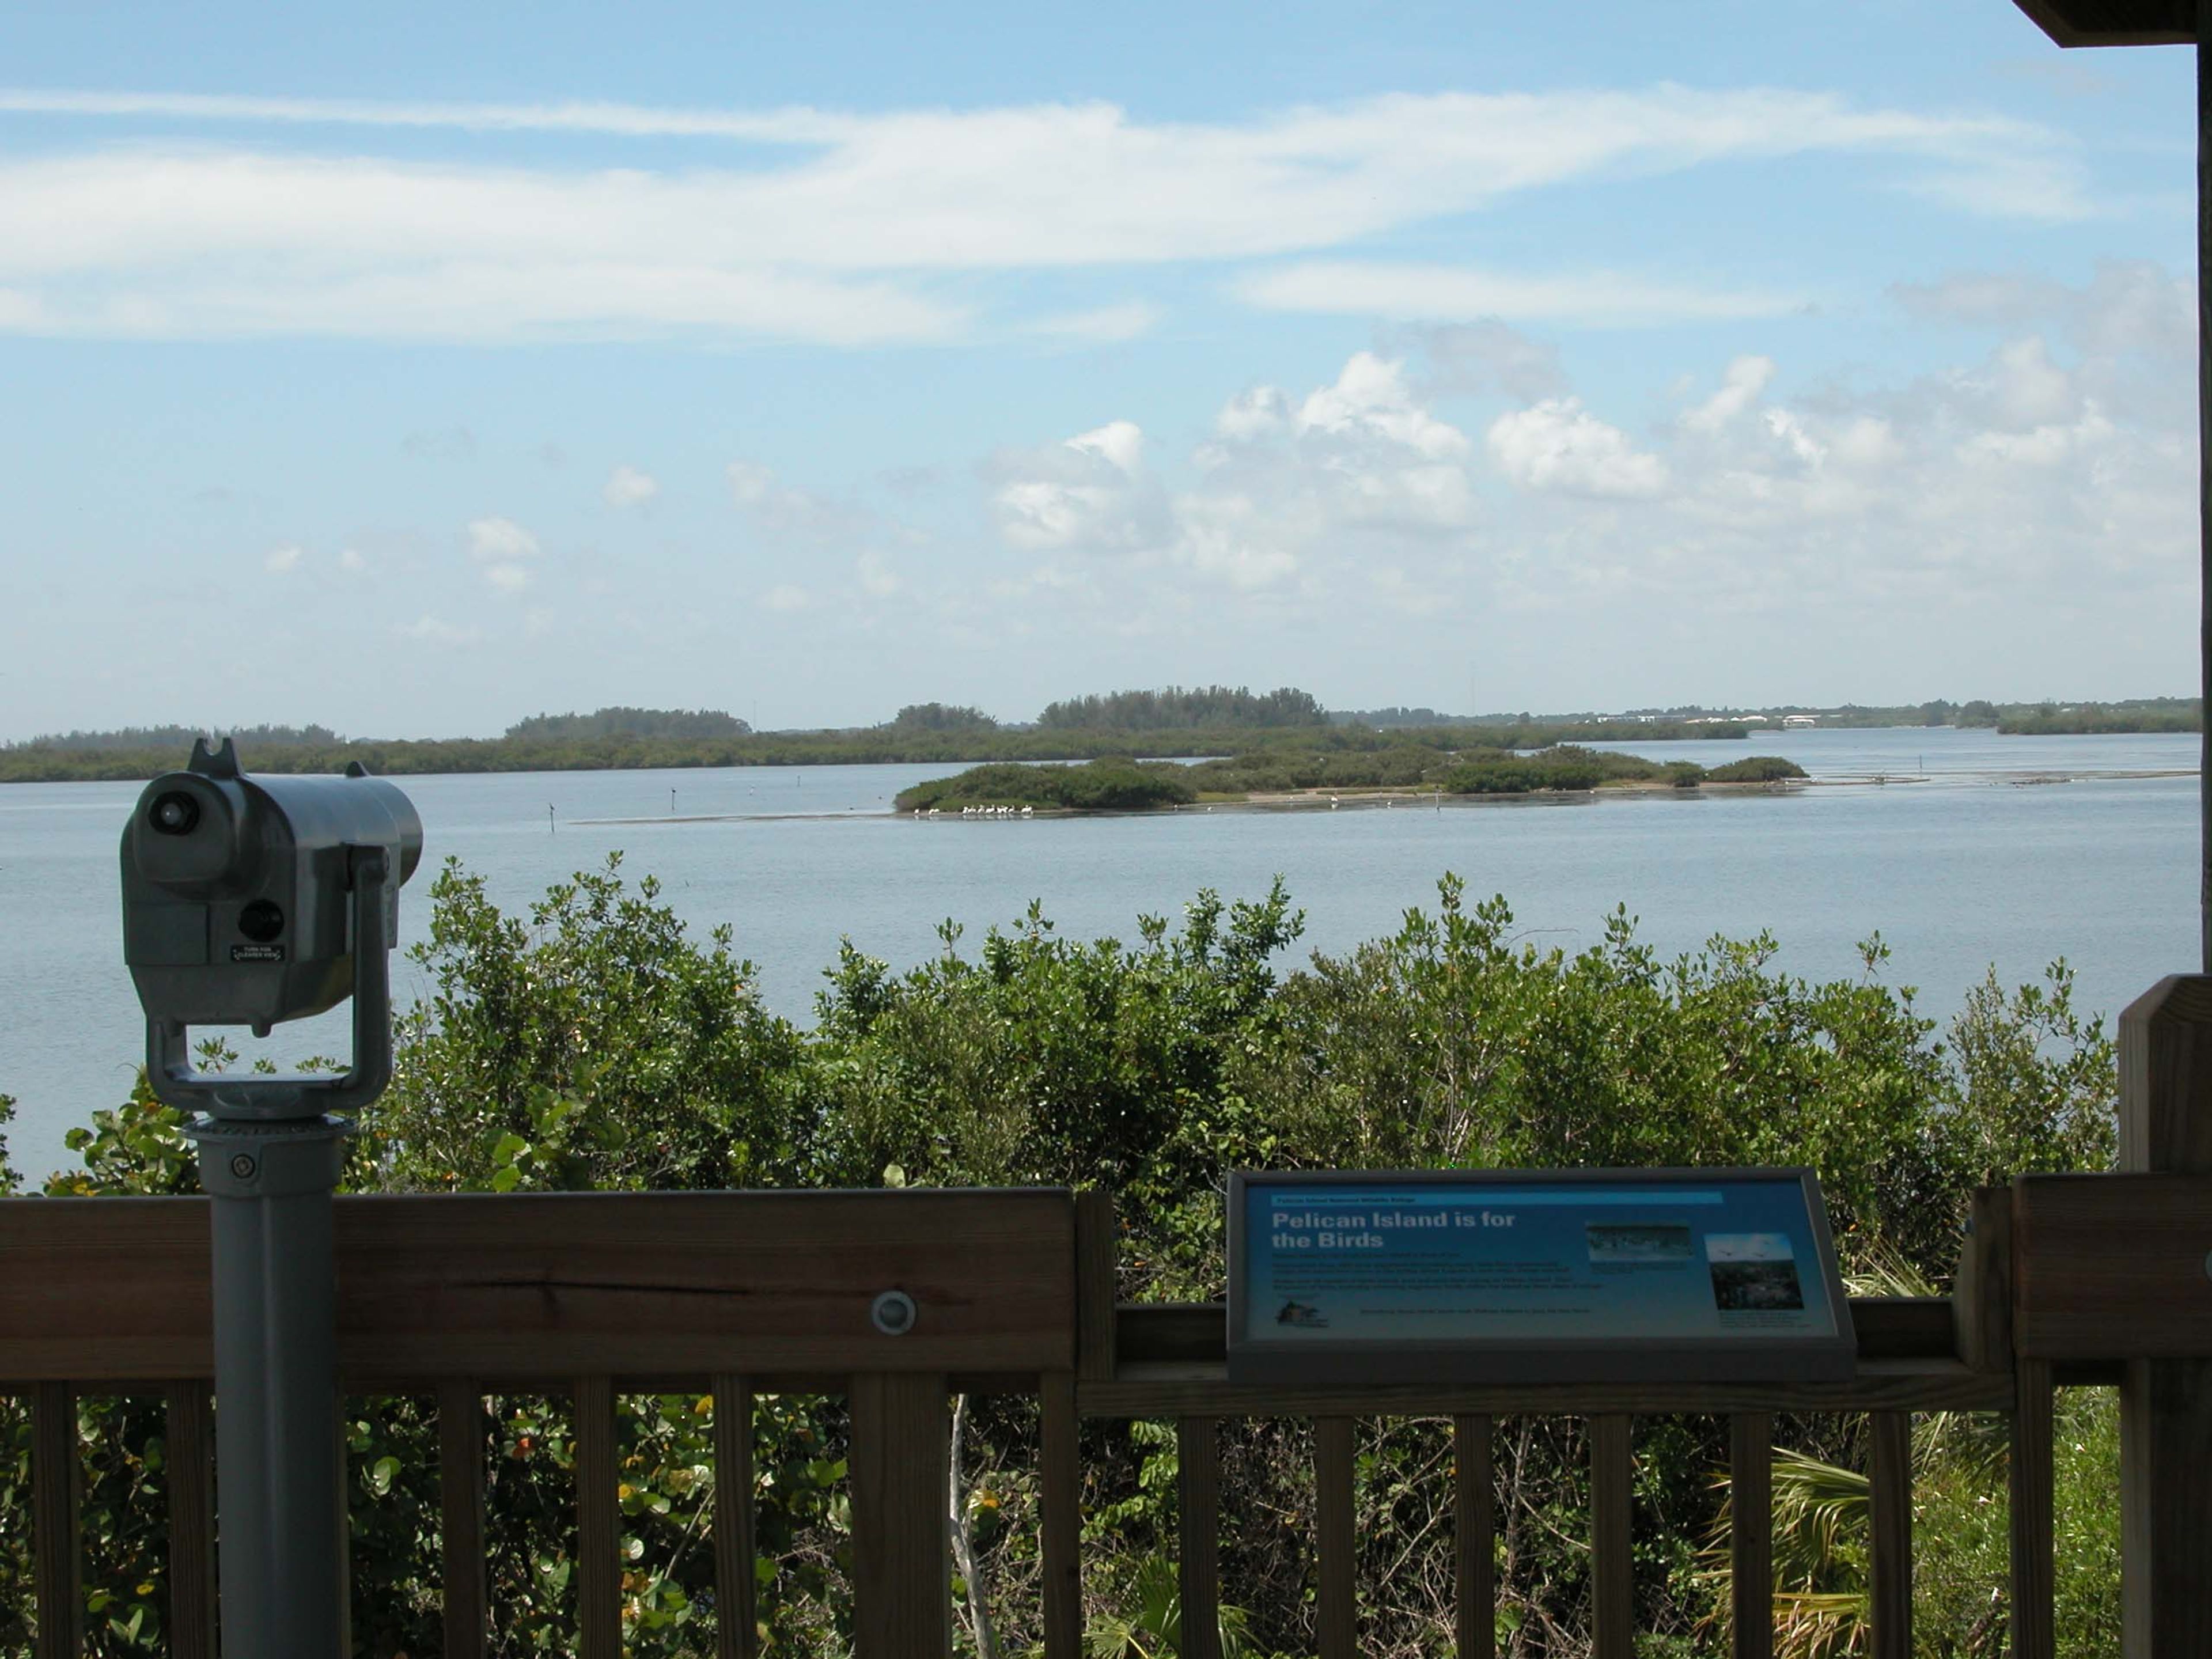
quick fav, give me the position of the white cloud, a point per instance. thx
(281, 560)
(1371, 398)
(786, 598)
(876, 578)
(435, 630)
(507, 578)
(1287, 487)
(829, 227)
(1253, 414)
(628, 486)
(1106, 325)
(1746, 378)
(1427, 293)
(502, 541)
(1089, 493)
(350, 562)
(1120, 444)
(1481, 357)
(794, 517)
(1558, 444)
(2031, 479)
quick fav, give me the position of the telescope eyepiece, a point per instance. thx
(174, 812)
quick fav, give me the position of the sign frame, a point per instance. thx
(1818, 1356)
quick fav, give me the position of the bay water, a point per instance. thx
(1964, 849)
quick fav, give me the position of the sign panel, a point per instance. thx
(1508, 1276)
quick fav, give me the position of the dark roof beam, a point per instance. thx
(2115, 22)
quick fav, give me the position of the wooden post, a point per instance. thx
(1198, 1531)
(192, 1520)
(1062, 1541)
(56, 1545)
(1890, 1594)
(461, 1517)
(2203, 9)
(1612, 1576)
(2166, 1407)
(1096, 1242)
(737, 1614)
(599, 1522)
(2033, 1581)
(1474, 1517)
(901, 1564)
(1337, 1611)
(1751, 1535)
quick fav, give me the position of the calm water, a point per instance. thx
(1966, 870)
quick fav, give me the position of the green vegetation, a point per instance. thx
(631, 738)
(177, 739)
(594, 1044)
(1285, 769)
(1755, 768)
(678, 723)
(1172, 723)
(1101, 786)
(942, 717)
(2153, 714)
(1177, 709)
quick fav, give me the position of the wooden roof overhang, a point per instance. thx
(2115, 22)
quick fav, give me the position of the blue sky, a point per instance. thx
(413, 372)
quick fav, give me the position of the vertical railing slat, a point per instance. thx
(901, 1467)
(599, 1522)
(1097, 1258)
(58, 1555)
(2034, 1590)
(191, 1433)
(1751, 1534)
(1337, 1615)
(461, 1517)
(1613, 1572)
(1198, 1505)
(1890, 1595)
(1062, 1474)
(1475, 1514)
(737, 1611)
(342, 1450)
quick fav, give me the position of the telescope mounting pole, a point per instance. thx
(270, 1158)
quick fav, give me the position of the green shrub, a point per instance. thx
(1110, 785)
(596, 1044)
(1756, 769)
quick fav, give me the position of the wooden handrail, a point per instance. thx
(592, 1297)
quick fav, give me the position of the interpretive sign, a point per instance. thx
(1520, 1276)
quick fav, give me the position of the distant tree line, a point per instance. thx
(942, 717)
(179, 738)
(628, 723)
(934, 734)
(2161, 714)
(1177, 708)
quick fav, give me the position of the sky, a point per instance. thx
(416, 368)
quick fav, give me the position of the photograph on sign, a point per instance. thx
(1519, 1275)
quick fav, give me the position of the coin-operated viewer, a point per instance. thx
(251, 901)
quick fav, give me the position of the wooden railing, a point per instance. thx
(2064, 1280)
